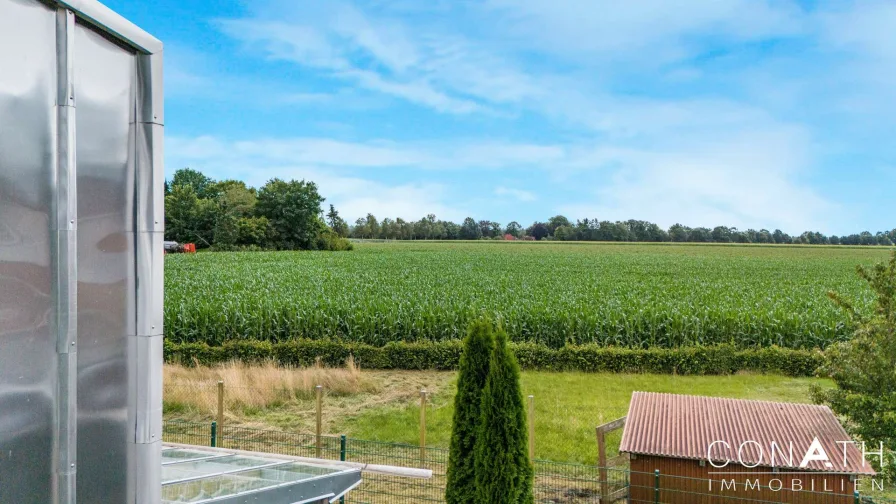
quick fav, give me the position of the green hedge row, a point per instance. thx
(714, 360)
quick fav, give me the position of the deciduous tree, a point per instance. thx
(293, 211)
(470, 230)
(864, 368)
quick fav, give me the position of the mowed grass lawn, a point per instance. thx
(568, 407)
(384, 405)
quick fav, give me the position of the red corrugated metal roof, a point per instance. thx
(683, 426)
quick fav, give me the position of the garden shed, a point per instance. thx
(696, 449)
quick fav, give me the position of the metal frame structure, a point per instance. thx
(140, 239)
(145, 345)
(221, 476)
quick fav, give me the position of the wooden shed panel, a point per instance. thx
(684, 481)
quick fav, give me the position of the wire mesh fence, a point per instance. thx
(555, 482)
(202, 400)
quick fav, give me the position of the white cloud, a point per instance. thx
(408, 201)
(518, 194)
(867, 30)
(468, 154)
(756, 179)
(425, 65)
(653, 31)
(355, 196)
(418, 91)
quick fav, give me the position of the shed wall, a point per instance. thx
(684, 481)
(28, 360)
(105, 78)
(81, 264)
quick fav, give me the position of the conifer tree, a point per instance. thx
(504, 474)
(472, 373)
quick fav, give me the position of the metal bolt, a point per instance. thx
(72, 221)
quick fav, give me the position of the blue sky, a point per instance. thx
(746, 113)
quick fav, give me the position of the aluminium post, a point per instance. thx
(64, 257)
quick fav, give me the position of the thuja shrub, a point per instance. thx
(504, 473)
(472, 373)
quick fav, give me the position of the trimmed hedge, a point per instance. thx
(712, 360)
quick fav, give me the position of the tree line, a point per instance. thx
(561, 228)
(287, 215)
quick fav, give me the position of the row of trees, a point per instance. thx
(229, 215)
(562, 229)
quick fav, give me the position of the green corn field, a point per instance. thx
(612, 294)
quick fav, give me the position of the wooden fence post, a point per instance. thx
(532, 429)
(220, 410)
(602, 462)
(422, 426)
(317, 445)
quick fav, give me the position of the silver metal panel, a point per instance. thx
(145, 406)
(105, 76)
(146, 380)
(109, 21)
(27, 344)
(151, 178)
(66, 182)
(151, 108)
(65, 426)
(64, 252)
(145, 481)
(150, 280)
(65, 69)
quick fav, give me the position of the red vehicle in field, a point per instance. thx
(172, 247)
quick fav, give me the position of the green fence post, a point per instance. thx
(342, 458)
(656, 486)
(856, 496)
(214, 434)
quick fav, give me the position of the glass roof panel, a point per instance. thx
(198, 468)
(182, 455)
(197, 476)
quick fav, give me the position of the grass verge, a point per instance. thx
(384, 405)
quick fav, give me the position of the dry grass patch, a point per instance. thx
(252, 388)
(272, 396)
